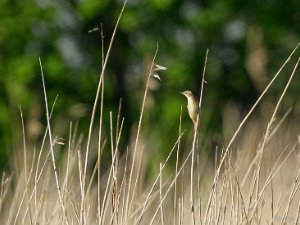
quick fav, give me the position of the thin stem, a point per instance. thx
(51, 147)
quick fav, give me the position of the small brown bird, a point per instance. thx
(193, 107)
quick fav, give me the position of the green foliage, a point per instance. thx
(58, 33)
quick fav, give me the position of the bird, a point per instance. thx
(193, 107)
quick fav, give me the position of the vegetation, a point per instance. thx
(248, 41)
(138, 160)
(248, 186)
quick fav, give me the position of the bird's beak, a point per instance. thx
(183, 94)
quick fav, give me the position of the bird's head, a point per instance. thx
(187, 94)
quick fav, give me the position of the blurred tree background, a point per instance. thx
(248, 42)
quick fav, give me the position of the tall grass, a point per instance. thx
(255, 184)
